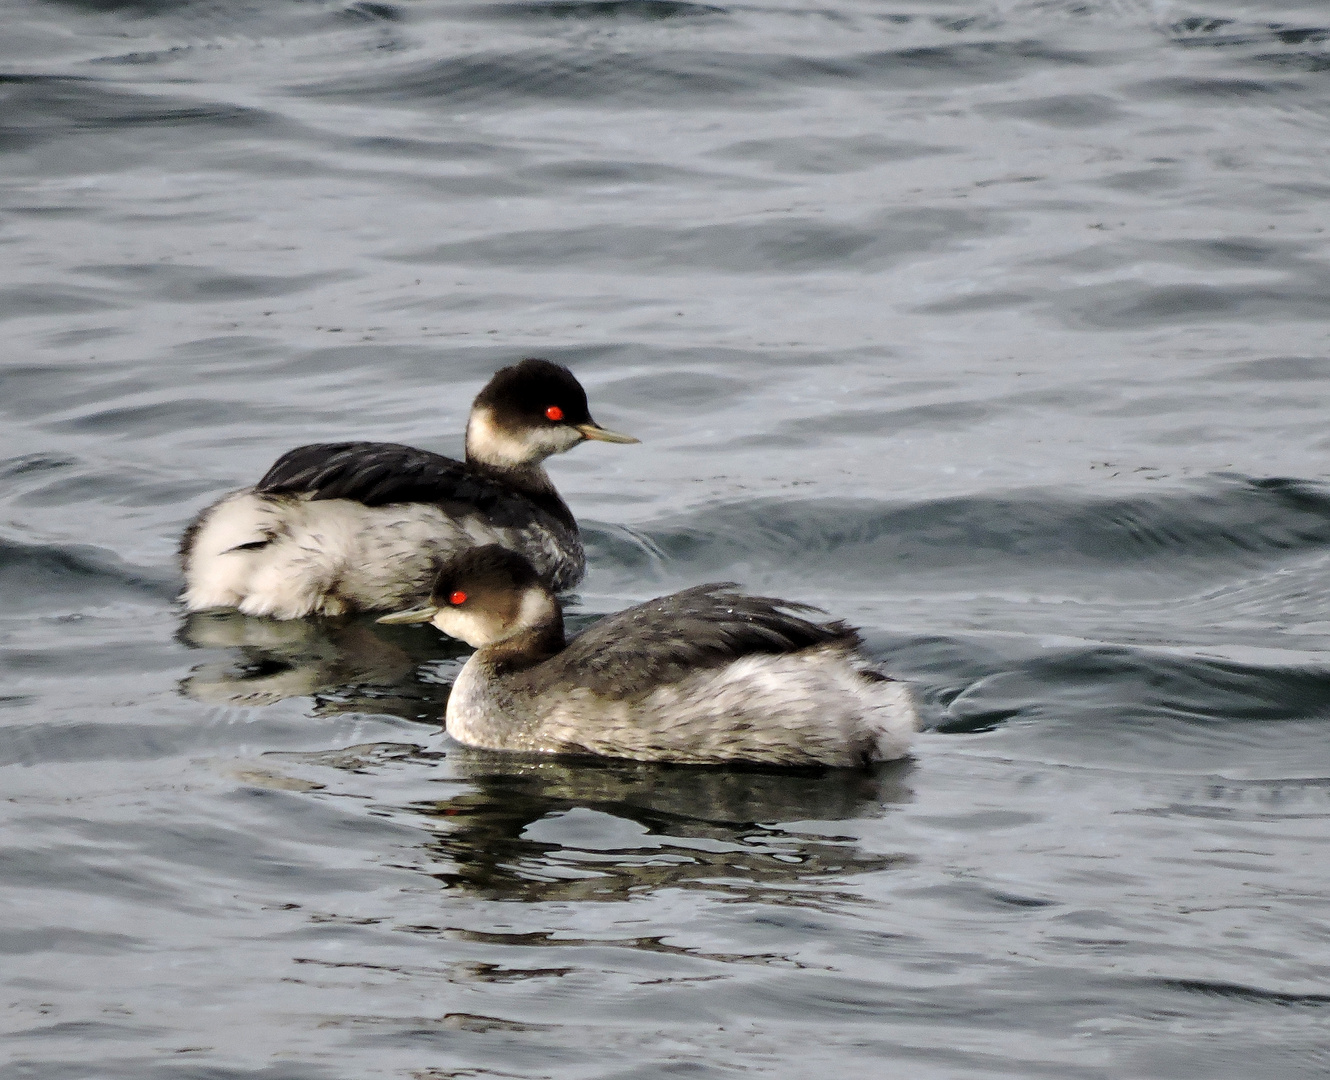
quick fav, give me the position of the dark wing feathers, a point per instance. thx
(629, 654)
(368, 472)
(378, 474)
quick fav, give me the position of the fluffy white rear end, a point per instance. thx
(892, 718)
(317, 558)
(217, 575)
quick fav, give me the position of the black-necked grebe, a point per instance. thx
(703, 676)
(364, 526)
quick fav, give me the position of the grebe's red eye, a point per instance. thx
(554, 413)
(459, 597)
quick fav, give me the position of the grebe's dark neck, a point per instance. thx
(527, 647)
(530, 480)
(530, 477)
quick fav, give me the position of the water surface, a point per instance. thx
(996, 327)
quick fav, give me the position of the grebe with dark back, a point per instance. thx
(364, 526)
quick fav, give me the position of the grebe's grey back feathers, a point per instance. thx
(630, 654)
(380, 474)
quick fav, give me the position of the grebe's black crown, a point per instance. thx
(490, 566)
(522, 393)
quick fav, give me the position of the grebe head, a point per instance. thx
(529, 411)
(485, 595)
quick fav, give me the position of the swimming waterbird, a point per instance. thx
(702, 676)
(364, 526)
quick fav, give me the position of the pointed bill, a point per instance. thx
(600, 434)
(415, 615)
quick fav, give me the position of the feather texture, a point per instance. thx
(705, 675)
(379, 474)
(363, 526)
(630, 654)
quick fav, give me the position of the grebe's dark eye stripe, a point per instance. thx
(554, 413)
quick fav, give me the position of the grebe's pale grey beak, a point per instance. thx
(600, 434)
(415, 615)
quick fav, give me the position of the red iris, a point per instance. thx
(554, 413)
(459, 597)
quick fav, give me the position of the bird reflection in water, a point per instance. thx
(346, 664)
(540, 829)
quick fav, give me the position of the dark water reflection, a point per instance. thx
(997, 328)
(547, 831)
(345, 664)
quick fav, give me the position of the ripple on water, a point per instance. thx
(594, 10)
(789, 246)
(1234, 524)
(43, 577)
(1017, 310)
(677, 78)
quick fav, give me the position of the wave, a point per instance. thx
(43, 107)
(790, 245)
(674, 77)
(1110, 684)
(1236, 521)
(38, 577)
(591, 10)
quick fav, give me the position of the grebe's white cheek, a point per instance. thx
(557, 439)
(487, 441)
(540, 441)
(537, 608)
(472, 627)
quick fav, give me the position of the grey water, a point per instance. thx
(998, 327)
